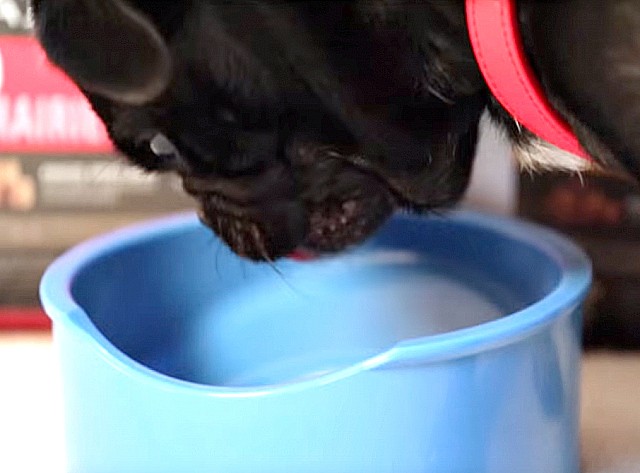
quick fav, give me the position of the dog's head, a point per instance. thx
(306, 124)
(295, 124)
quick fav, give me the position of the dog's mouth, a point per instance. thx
(319, 205)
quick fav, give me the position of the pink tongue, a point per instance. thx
(302, 255)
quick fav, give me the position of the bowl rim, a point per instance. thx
(573, 264)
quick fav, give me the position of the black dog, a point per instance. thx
(306, 124)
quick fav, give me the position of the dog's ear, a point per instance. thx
(106, 46)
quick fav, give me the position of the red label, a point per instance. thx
(22, 319)
(41, 109)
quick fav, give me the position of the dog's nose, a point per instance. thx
(258, 216)
(267, 232)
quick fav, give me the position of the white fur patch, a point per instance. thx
(539, 155)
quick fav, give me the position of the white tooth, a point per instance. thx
(162, 146)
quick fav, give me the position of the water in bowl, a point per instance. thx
(313, 319)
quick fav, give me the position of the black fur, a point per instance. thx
(296, 123)
(308, 123)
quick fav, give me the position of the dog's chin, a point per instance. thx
(336, 225)
(279, 229)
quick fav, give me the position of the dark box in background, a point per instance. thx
(60, 180)
(601, 213)
(51, 202)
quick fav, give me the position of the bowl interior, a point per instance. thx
(181, 303)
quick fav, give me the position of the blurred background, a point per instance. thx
(61, 183)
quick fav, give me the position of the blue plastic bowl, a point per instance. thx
(442, 345)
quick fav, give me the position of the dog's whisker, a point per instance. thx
(216, 258)
(436, 93)
(518, 125)
(255, 233)
(257, 240)
(243, 268)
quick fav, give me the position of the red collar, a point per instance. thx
(493, 30)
